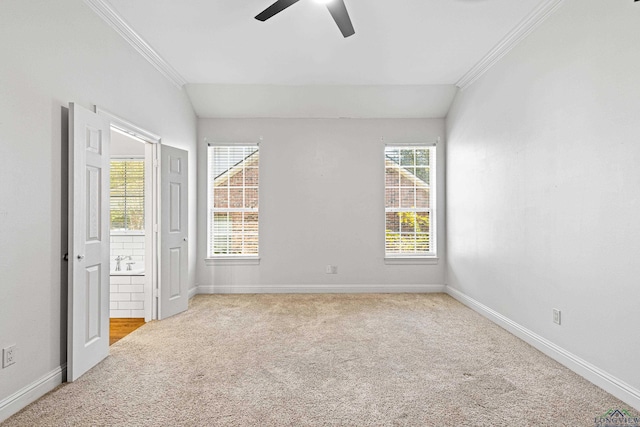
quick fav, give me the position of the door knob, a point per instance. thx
(184, 239)
(80, 256)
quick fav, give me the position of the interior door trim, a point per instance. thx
(128, 127)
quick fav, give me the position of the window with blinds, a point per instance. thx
(127, 195)
(409, 201)
(233, 200)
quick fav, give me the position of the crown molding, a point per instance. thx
(515, 36)
(115, 21)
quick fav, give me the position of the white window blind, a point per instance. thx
(409, 200)
(127, 195)
(233, 200)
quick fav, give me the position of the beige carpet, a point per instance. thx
(314, 360)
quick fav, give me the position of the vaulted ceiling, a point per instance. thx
(235, 65)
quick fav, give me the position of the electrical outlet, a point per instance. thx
(556, 316)
(331, 269)
(8, 356)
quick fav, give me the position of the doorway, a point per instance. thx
(134, 199)
(128, 305)
(166, 289)
(165, 220)
(89, 233)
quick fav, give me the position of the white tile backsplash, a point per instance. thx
(137, 313)
(131, 305)
(127, 292)
(131, 288)
(127, 296)
(122, 313)
(137, 280)
(133, 245)
(121, 296)
(120, 280)
(127, 245)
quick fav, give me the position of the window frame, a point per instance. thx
(430, 257)
(229, 259)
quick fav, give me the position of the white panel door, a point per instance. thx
(174, 294)
(88, 321)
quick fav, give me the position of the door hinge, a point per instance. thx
(155, 228)
(155, 293)
(155, 163)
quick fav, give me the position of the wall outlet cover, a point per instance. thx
(331, 269)
(8, 356)
(556, 316)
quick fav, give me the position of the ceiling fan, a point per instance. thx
(337, 9)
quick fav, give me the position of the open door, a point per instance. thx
(174, 294)
(88, 322)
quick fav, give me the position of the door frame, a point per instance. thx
(151, 205)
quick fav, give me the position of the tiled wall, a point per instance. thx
(127, 296)
(127, 245)
(127, 292)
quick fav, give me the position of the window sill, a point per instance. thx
(411, 261)
(232, 260)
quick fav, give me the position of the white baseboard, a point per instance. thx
(597, 376)
(193, 292)
(606, 381)
(320, 289)
(31, 393)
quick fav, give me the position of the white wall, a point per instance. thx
(321, 202)
(54, 52)
(543, 185)
(123, 145)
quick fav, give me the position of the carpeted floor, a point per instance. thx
(315, 360)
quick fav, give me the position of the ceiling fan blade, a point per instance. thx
(339, 12)
(277, 7)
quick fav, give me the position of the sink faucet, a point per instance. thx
(118, 259)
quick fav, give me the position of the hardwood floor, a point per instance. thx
(120, 328)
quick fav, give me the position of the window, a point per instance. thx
(127, 195)
(233, 200)
(409, 201)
